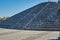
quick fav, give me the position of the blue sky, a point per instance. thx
(11, 7)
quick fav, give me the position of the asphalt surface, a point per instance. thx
(7, 34)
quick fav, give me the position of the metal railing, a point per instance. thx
(37, 14)
(26, 15)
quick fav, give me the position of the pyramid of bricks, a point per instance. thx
(44, 16)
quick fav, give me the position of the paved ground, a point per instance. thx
(6, 34)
